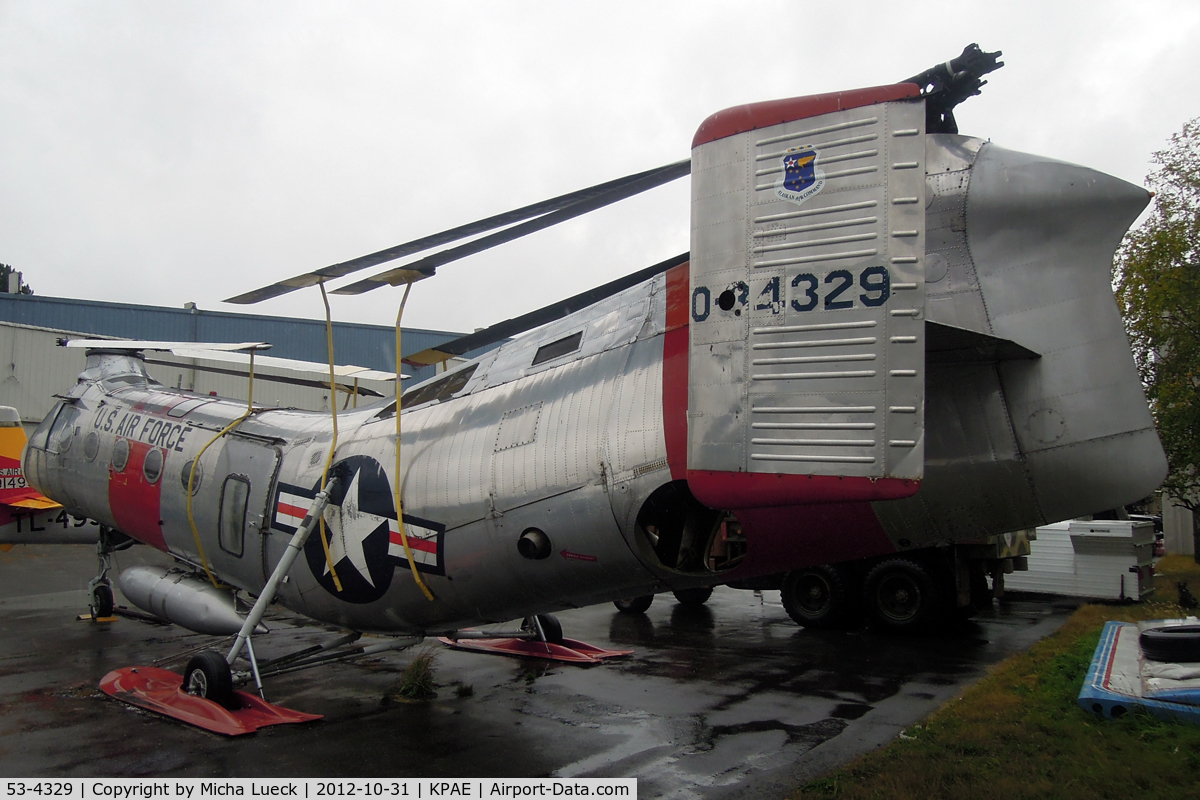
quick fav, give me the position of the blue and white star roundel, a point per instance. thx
(364, 538)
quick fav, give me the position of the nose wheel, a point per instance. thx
(100, 591)
(102, 600)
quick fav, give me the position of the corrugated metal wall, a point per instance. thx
(34, 369)
(354, 343)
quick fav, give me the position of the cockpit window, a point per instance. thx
(56, 436)
(568, 344)
(441, 389)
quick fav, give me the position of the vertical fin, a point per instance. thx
(807, 358)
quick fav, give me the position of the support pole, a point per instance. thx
(315, 512)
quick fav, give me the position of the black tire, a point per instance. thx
(551, 628)
(981, 596)
(693, 597)
(208, 676)
(634, 605)
(102, 601)
(901, 595)
(817, 597)
(1174, 644)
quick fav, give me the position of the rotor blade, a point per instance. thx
(645, 181)
(362, 391)
(525, 322)
(340, 371)
(139, 344)
(435, 240)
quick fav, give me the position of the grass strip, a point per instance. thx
(1020, 733)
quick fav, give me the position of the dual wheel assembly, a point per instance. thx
(898, 594)
(688, 597)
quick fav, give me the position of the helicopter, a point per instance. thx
(886, 340)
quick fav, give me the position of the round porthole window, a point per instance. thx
(185, 474)
(91, 446)
(152, 467)
(120, 456)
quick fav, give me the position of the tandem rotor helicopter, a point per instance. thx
(889, 347)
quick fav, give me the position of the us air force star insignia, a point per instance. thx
(349, 527)
(358, 523)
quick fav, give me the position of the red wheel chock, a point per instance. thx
(161, 691)
(570, 651)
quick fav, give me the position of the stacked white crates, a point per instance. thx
(1101, 559)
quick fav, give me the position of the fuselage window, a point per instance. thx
(568, 344)
(120, 455)
(234, 494)
(152, 467)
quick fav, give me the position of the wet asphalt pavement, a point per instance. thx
(730, 699)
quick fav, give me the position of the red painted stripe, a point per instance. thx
(424, 545)
(291, 510)
(740, 119)
(767, 489)
(675, 369)
(134, 502)
(793, 537)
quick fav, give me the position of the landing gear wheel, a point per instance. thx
(634, 605)
(693, 597)
(981, 596)
(550, 626)
(901, 595)
(208, 676)
(817, 598)
(102, 601)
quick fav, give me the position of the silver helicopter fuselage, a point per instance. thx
(661, 440)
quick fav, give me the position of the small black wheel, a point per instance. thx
(817, 597)
(551, 628)
(634, 605)
(693, 597)
(208, 676)
(102, 601)
(901, 595)
(1173, 644)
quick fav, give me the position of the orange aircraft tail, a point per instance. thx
(16, 496)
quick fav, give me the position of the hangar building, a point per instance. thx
(34, 369)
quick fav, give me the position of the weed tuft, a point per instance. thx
(416, 682)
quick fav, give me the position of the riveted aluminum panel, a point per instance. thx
(807, 304)
(1042, 235)
(952, 294)
(975, 481)
(636, 441)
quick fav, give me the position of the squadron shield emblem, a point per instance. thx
(363, 535)
(801, 177)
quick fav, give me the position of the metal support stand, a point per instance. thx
(281, 569)
(254, 667)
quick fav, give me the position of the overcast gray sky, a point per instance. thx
(164, 152)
